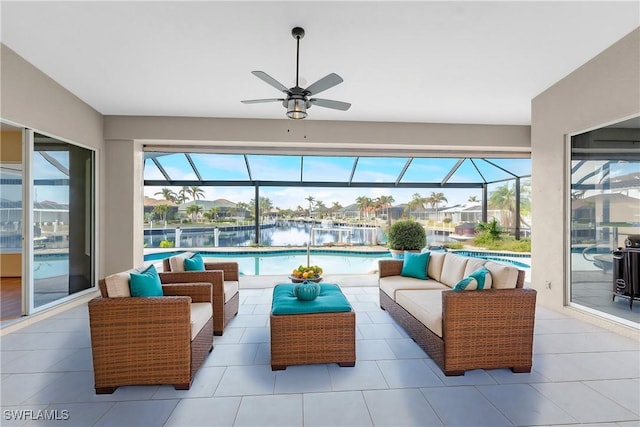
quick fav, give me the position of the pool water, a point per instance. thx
(263, 264)
(334, 262)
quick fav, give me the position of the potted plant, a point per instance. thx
(406, 235)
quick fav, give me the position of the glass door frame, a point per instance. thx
(568, 230)
(28, 191)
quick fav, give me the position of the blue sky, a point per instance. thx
(326, 169)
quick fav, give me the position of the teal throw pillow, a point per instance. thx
(145, 284)
(195, 263)
(415, 265)
(479, 279)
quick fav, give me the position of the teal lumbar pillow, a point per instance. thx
(415, 265)
(307, 291)
(195, 263)
(479, 279)
(146, 283)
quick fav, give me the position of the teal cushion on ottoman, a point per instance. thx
(330, 300)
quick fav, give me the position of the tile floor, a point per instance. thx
(582, 375)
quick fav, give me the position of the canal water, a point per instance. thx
(281, 233)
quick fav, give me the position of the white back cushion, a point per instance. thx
(118, 285)
(473, 264)
(176, 262)
(503, 276)
(434, 268)
(453, 269)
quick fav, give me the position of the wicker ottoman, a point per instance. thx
(318, 331)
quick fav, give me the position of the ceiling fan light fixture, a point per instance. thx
(296, 109)
(298, 99)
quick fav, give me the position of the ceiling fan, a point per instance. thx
(299, 99)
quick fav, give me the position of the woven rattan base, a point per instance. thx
(300, 339)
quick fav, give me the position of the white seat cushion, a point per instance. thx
(426, 306)
(176, 262)
(201, 312)
(231, 288)
(453, 269)
(503, 276)
(391, 284)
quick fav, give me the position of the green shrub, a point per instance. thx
(490, 230)
(453, 245)
(166, 244)
(407, 235)
(510, 244)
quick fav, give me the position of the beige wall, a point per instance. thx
(604, 90)
(311, 137)
(32, 99)
(124, 213)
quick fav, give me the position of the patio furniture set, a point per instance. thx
(163, 338)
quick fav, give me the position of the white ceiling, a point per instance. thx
(448, 62)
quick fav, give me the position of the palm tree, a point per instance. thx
(183, 195)
(473, 199)
(335, 207)
(214, 211)
(264, 205)
(242, 207)
(196, 192)
(435, 199)
(385, 203)
(310, 199)
(168, 194)
(417, 202)
(161, 212)
(364, 204)
(504, 199)
(193, 211)
(320, 207)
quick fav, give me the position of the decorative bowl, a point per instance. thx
(300, 280)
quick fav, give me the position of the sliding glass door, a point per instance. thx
(605, 211)
(63, 219)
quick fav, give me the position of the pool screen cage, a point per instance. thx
(200, 168)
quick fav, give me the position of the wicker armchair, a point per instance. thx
(224, 276)
(140, 341)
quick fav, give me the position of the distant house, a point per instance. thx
(225, 208)
(150, 203)
(351, 211)
(463, 213)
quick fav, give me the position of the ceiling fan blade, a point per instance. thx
(329, 103)
(268, 79)
(324, 83)
(258, 101)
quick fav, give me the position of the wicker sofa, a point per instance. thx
(149, 340)
(225, 279)
(463, 329)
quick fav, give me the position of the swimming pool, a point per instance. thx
(282, 261)
(519, 260)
